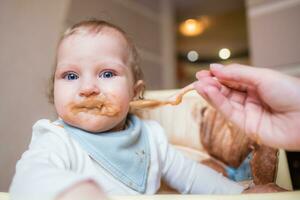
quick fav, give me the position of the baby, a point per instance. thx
(96, 147)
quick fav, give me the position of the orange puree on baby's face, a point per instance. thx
(96, 106)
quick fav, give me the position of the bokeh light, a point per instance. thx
(224, 53)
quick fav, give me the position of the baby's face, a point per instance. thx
(93, 84)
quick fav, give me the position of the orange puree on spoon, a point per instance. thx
(173, 100)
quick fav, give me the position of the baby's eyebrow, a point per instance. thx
(61, 68)
(105, 64)
(113, 65)
(60, 65)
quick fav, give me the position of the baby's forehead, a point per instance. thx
(106, 36)
(97, 33)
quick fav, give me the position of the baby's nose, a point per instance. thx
(89, 88)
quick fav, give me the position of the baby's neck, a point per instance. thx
(120, 126)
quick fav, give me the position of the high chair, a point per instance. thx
(182, 127)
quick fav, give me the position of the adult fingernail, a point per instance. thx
(216, 66)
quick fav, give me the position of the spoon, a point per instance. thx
(172, 100)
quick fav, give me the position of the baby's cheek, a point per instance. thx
(120, 99)
(63, 112)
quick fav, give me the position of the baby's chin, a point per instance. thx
(93, 123)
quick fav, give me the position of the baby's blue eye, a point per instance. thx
(71, 76)
(107, 74)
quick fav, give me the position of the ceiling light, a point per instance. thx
(191, 27)
(224, 53)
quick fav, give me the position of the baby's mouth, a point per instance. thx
(96, 106)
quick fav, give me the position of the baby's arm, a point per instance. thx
(186, 175)
(44, 171)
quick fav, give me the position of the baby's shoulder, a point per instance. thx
(45, 126)
(49, 132)
(151, 123)
(155, 130)
(152, 126)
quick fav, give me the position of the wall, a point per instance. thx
(29, 31)
(274, 34)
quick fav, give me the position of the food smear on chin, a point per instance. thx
(96, 105)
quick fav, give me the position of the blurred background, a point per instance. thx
(175, 39)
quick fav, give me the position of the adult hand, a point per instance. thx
(262, 102)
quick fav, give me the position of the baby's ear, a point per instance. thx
(139, 88)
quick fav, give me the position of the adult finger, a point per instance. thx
(224, 105)
(238, 73)
(203, 73)
(205, 82)
(199, 87)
